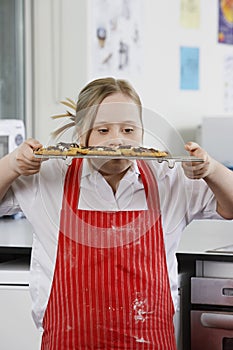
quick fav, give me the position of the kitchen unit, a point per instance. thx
(206, 290)
(212, 308)
(17, 329)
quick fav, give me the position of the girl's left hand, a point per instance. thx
(198, 170)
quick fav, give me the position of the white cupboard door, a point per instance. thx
(17, 329)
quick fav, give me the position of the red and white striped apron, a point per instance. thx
(110, 288)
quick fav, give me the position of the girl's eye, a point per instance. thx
(103, 130)
(128, 130)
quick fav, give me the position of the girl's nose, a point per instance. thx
(115, 138)
(115, 142)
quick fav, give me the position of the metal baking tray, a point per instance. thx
(171, 160)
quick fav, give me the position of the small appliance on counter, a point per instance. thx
(215, 135)
(12, 134)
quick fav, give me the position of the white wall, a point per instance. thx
(61, 39)
(164, 37)
(60, 67)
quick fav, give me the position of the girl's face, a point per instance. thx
(117, 123)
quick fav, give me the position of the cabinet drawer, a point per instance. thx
(211, 330)
(212, 291)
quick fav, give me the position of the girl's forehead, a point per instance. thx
(118, 112)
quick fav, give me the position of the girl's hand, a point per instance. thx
(22, 160)
(198, 170)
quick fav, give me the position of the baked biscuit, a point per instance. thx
(126, 150)
(147, 152)
(140, 151)
(103, 150)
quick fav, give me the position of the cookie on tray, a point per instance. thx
(103, 151)
(126, 150)
(49, 151)
(147, 152)
(60, 149)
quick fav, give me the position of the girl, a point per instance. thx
(103, 266)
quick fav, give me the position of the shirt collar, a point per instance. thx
(88, 169)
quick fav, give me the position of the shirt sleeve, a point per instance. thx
(203, 203)
(9, 204)
(183, 200)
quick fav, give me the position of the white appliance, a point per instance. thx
(215, 135)
(12, 134)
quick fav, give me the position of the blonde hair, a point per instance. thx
(89, 99)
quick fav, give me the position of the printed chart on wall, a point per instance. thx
(116, 42)
(225, 31)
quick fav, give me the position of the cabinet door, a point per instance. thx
(17, 329)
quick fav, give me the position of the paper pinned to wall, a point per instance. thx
(190, 13)
(189, 68)
(117, 37)
(225, 22)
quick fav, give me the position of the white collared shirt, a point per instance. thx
(130, 194)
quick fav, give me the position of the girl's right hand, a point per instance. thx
(22, 161)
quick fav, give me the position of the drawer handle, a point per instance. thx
(214, 320)
(227, 291)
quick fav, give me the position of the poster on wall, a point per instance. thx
(116, 37)
(225, 22)
(189, 68)
(190, 13)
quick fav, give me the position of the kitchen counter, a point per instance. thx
(198, 238)
(15, 233)
(204, 236)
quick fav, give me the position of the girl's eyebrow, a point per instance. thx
(100, 123)
(116, 122)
